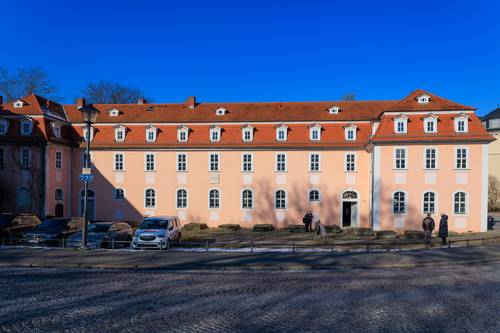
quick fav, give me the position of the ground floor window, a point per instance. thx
(280, 199)
(247, 199)
(399, 203)
(182, 198)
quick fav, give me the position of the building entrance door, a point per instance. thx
(349, 209)
(59, 210)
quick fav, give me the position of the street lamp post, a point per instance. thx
(89, 115)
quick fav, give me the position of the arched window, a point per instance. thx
(119, 193)
(429, 205)
(214, 199)
(349, 195)
(23, 198)
(59, 194)
(460, 203)
(182, 198)
(150, 198)
(247, 199)
(280, 199)
(313, 195)
(399, 204)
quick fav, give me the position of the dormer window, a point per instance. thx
(18, 104)
(4, 126)
(56, 129)
(247, 133)
(350, 132)
(281, 133)
(86, 135)
(151, 133)
(114, 112)
(423, 99)
(182, 134)
(334, 110)
(220, 111)
(26, 126)
(120, 133)
(461, 123)
(430, 124)
(401, 125)
(215, 134)
(315, 133)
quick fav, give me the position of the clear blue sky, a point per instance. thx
(262, 50)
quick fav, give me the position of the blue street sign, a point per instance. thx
(86, 178)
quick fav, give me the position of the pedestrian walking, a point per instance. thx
(428, 226)
(309, 221)
(304, 221)
(443, 228)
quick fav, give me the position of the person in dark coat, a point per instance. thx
(443, 228)
(309, 221)
(428, 226)
(304, 220)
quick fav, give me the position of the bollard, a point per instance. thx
(332, 247)
(449, 243)
(207, 246)
(467, 242)
(293, 247)
(367, 247)
(251, 246)
(112, 243)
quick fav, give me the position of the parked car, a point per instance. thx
(13, 226)
(157, 232)
(104, 235)
(52, 231)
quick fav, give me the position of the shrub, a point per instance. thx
(385, 234)
(414, 234)
(296, 228)
(359, 231)
(230, 226)
(263, 227)
(333, 228)
(195, 226)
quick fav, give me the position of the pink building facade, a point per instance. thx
(380, 164)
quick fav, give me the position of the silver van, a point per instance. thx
(157, 232)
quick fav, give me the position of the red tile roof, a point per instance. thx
(436, 103)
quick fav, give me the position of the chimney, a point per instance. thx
(191, 102)
(141, 101)
(80, 102)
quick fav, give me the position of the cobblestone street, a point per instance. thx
(459, 299)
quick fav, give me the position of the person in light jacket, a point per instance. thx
(428, 226)
(443, 228)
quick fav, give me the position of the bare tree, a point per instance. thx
(349, 97)
(105, 92)
(26, 81)
(492, 192)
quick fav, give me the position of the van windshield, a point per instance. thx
(154, 224)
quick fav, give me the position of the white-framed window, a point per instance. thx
(247, 134)
(281, 163)
(181, 198)
(150, 198)
(182, 134)
(120, 134)
(120, 161)
(59, 194)
(400, 158)
(247, 199)
(214, 199)
(314, 162)
(423, 99)
(25, 157)
(150, 163)
(18, 104)
(2, 157)
(399, 202)
(220, 111)
(4, 126)
(26, 127)
(430, 158)
(350, 133)
(429, 203)
(88, 135)
(114, 112)
(151, 134)
(430, 125)
(280, 199)
(247, 162)
(58, 161)
(213, 162)
(460, 203)
(215, 134)
(350, 162)
(119, 194)
(315, 133)
(281, 133)
(461, 158)
(461, 124)
(181, 162)
(401, 125)
(314, 195)
(333, 110)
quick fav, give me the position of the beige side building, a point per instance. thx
(492, 123)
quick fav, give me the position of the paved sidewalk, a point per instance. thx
(106, 259)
